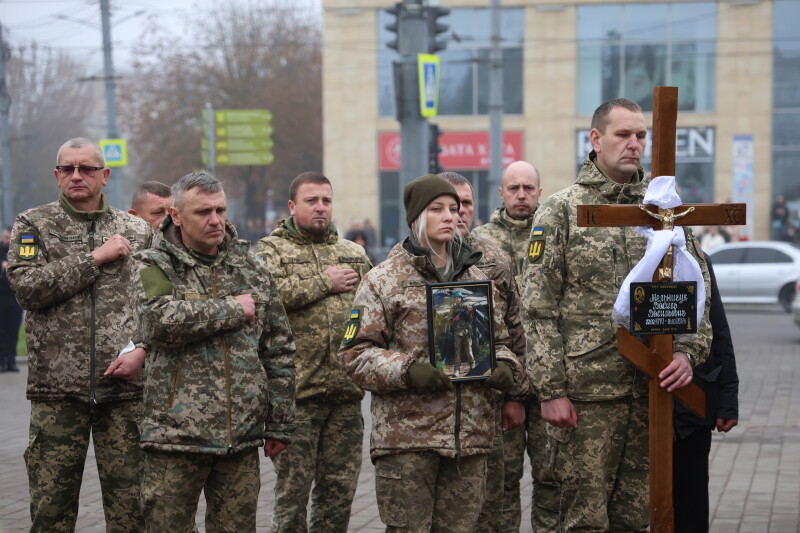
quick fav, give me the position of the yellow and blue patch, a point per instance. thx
(28, 246)
(536, 245)
(352, 325)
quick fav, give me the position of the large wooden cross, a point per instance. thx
(653, 358)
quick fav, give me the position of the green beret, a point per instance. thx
(422, 191)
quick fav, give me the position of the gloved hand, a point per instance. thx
(423, 377)
(501, 379)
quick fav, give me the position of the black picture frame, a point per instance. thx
(448, 327)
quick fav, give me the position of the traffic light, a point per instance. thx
(435, 28)
(434, 149)
(394, 26)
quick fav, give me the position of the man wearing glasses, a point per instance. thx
(70, 268)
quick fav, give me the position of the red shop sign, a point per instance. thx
(461, 150)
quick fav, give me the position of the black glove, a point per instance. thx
(424, 377)
(501, 379)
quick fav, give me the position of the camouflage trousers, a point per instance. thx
(463, 352)
(325, 452)
(490, 517)
(546, 497)
(424, 492)
(173, 481)
(56, 454)
(602, 467)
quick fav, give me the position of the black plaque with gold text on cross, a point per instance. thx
(651, 359)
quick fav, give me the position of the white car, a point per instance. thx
(762, 272)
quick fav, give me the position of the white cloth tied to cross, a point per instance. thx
(661, 193)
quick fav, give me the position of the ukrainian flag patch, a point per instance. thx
(352, 325)
(536, 245)
(28, 246)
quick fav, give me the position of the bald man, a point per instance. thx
(510, 228)
(510, 224)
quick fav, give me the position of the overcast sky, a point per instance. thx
(74, 25)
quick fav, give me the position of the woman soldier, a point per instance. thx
(430, 438)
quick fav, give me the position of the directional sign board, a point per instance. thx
(428, 65)
(115, 152)
(241, 137)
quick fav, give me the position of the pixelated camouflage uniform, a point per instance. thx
(326, 450)
(452, 425)
(568, 293)
(78, 318)
(496, 264)
(217, 385)
(509, 234)
(512, 236)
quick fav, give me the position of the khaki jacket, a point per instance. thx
(316, 315)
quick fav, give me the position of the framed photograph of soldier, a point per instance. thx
(461, 329)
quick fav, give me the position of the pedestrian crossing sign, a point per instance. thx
(115, 152)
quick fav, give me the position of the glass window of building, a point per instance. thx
(786, 105)
(464, 78)
(624, 50)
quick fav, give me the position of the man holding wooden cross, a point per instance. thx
(595, 401)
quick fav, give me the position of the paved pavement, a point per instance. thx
(755, 470)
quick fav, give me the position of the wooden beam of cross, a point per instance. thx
(652, 359)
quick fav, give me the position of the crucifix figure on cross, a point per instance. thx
(583, 245)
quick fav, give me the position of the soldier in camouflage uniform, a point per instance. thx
(220, 377)
(317, 274)
(496, 265)
(510, 228)
(430, 438)
(70, 268)
(593, 399)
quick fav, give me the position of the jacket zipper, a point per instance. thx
(227, 362)
(92, 312)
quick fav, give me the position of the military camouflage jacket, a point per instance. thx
(79, 316)
(496, 266)
(510, 234)
(216, 384)
(570, 284)
(392, 334)
(316, 315)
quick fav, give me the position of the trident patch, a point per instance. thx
(536, 245)
(28, 246)
(352, 325)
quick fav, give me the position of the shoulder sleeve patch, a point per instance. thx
(155, 282)
(28, 245)
(536, 245)
(352, 325)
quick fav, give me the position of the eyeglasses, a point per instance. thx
(68, 170)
